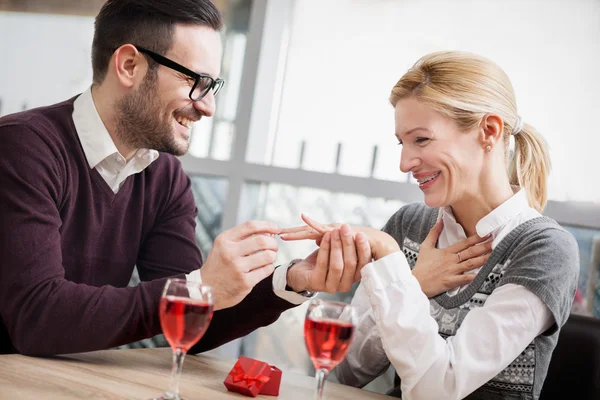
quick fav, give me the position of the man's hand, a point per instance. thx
(440, 270)
(335, 266)
(240, 258)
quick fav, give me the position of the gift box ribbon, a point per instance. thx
(239, 375)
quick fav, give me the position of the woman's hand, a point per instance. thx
(380, 242)
(437, 270)
(312, 230)
(440, 270)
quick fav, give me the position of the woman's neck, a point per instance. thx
(470, 210)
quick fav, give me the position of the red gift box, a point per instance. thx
(249, 377)
(271, 388)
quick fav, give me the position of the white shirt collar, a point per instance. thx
(497, 218)
(502, 214)
(95, 139)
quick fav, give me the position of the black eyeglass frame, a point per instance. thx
(215, 84)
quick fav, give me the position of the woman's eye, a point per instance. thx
(422, 140)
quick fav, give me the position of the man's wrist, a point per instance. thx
(303, 292)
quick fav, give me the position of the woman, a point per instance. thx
(493, 338)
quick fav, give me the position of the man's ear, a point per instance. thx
(130, 65)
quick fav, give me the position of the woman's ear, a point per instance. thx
(492, 129)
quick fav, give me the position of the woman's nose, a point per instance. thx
(408, 161)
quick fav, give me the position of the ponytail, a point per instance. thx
(530, 166)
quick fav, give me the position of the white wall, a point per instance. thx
(44, 58)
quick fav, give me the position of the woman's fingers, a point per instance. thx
(461, 280)
(473, 263)
(301, 236)
(434, 234)
(300, 233)
(312, 230)
(467, 243)
(475, 251)
(296, 229)
(314, 224)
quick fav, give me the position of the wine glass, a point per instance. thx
(186, 309)
(328, 331)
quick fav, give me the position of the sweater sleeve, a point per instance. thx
(43, 312)
(260, 308)
(414, 217)
(393, 226)
(170, 248)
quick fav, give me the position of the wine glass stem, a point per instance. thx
(321, 376)
(178, 356)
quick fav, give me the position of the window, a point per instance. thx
(283, 205)
(344, 57)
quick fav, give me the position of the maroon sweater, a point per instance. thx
(69, 245)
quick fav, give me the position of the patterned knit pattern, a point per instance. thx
(519, 375)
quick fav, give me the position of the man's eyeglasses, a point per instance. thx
(202, 83)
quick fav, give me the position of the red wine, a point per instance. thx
(184, 320)
(327, 341)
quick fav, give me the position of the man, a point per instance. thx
(91, 187)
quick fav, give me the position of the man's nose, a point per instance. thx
(206, 105)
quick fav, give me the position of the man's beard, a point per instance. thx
(140, 123)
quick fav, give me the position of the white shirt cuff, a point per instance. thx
(279, 284)
(387, 270)
(194, 276)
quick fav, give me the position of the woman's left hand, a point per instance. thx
(380, 242)
(313, 230)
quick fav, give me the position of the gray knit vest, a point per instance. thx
(539, 255)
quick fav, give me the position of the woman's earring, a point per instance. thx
(488, 148)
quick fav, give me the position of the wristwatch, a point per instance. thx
(305, 293)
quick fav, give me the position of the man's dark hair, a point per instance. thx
(146, 23)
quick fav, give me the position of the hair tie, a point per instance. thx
(518, 126)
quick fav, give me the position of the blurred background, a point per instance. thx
(304, 125)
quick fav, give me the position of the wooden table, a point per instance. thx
(140, 374)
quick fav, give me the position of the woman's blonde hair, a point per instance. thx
(466, 87)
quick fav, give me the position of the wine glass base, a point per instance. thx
(168, 396)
